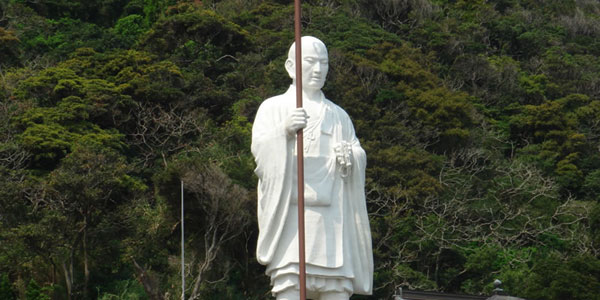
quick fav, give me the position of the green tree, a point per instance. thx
(8, 47)
(35, 292)
(6, 291)
(129, 28)
(204, 27)
(87, 186)
(555, 277)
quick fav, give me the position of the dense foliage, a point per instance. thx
(480, 118)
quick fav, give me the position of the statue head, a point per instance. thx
(315, 63)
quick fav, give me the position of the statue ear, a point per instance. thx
(290, 68)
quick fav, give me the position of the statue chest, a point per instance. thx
(320, 175)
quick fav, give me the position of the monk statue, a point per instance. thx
(339, 258)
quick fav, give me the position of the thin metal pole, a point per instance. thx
(182, 249)
(300, 151)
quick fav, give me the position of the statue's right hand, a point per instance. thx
(296, 121)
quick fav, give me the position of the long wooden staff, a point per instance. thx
(300, 151)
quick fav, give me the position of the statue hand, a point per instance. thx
(296, 121)
(343, 154)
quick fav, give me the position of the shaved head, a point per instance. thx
(308, 42)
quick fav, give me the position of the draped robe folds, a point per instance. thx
(341, 247)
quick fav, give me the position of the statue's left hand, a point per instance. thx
(343, 154)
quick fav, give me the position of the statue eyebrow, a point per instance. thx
(314, 57)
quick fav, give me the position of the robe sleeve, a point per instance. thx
(272, 153)
(359, 228)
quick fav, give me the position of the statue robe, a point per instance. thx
(338, 237)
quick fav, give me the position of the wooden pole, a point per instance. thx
(300, 151)
(182, 249)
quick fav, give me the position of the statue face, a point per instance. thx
(315, 64)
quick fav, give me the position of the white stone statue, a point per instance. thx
(339, 258)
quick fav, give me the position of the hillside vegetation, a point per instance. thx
(480, 119)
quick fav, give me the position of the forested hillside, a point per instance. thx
(480, 119)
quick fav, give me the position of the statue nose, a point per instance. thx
(317, 67)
